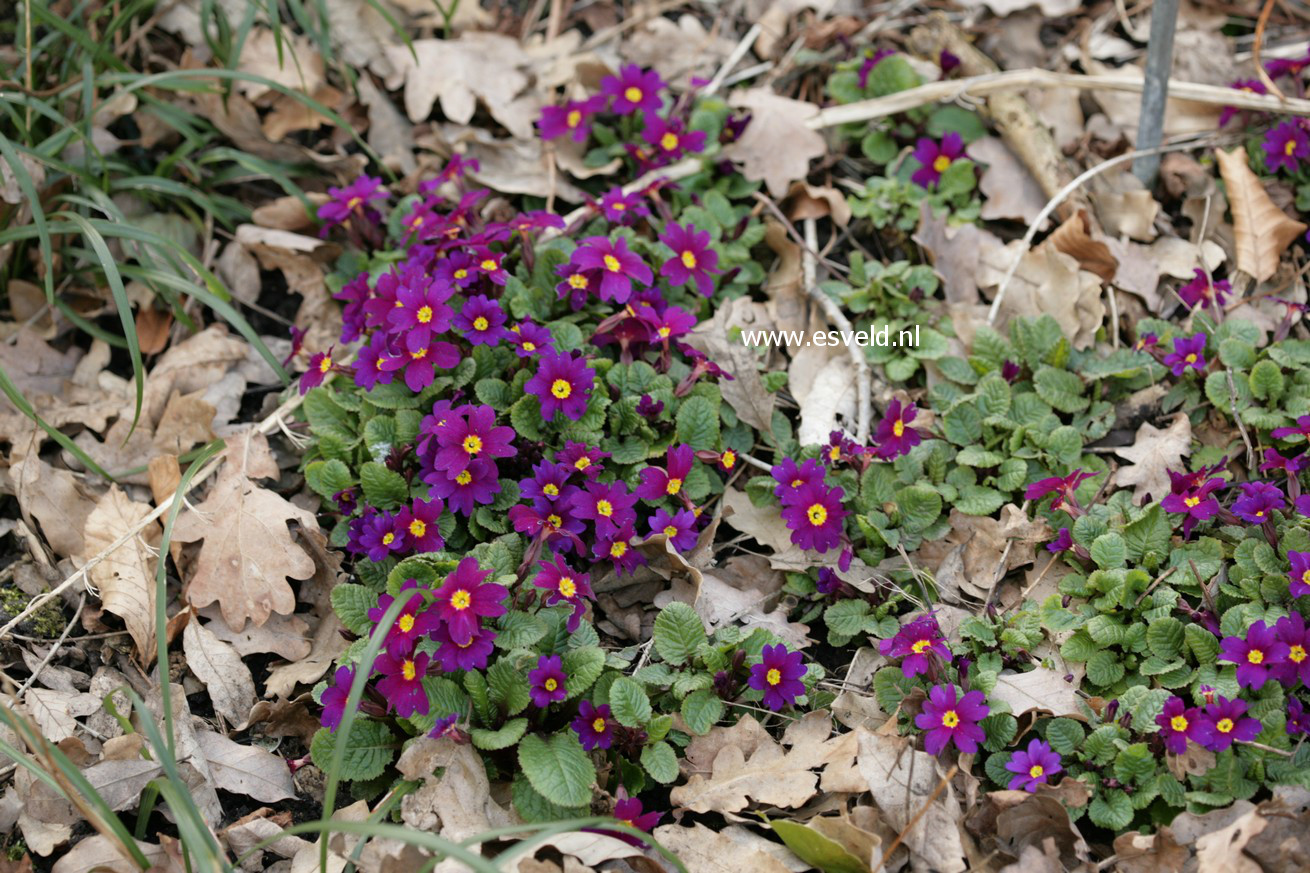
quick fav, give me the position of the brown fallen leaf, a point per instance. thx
(246, 770)
(955, 252)
(1038, 689)
(745, 393)
(776, 146)
(1221, 851)
(289, 60)
(703, 850)
(1149, 853)
(1262, 230)
(60, 501)
(126, 576)
(969, 557)
(283, 635)
(1074, 238)
(458, 802)
(56, 712)
(225, 674)
(98, 852)
(745, 764)
(248, 552)
(1010, 191)
(1154, 453)
(1048, 282)
(326, 645)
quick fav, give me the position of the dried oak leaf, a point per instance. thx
(226, 676)
(1042, 688)
(1154, 453)
(247, 770)
(703, 850)
(776, 146)
(125, 576)
(1074, 238)
(1047, 282)
(745, 393)
(248, 552)
(745, 764)
(1262, 230)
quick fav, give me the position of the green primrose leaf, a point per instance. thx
(558, 768)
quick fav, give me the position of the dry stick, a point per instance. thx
(1241, 425)
(1059, 198)
(863, 381)
(932, 798)
(1260, 70)
(267, 426)
(731, 61)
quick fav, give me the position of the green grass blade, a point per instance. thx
(28, 188)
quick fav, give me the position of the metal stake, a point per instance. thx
(1159, 61)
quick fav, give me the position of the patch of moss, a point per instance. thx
(47, 622)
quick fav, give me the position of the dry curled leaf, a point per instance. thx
(226, 676)
(1041, 689)
(1154, 453)
(126, 576)
(1074, 238)
(776, 146)
(246, 770)
(1262, 230)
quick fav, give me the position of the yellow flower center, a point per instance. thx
(424, 315)
(1255, 656)
(818, 514)
(472, 444)
(796, 483)
(834, 452)
(567, 587)
(773, 677)
(605, 508)
(598, 725)
(417, 528)
(1259, 513)
(619, 549)
(1224, 725)
(729, 459)
(950, 718)
(419, 355)
(554, 520)
(573, 119)
(674, 486)
(461, 273)
(1191, 359)
(671, 531)
(463, 477)
(481, 323)
(409, 671)
(550, 684)
(529, 346)
(461, 599)
(689, 260)
(1036, 771)
(582, 463)
(1305, 577)
(381, 362)
(1178, 723)
(561, 388)
(1191, 501)
(612, 264)
(632, 94)
(921, 646)
(578, 281)
(550, 489)
(406, 623)
(489, 265)
(898, 428)
(1290, 147)
(355, 201)
(325, 364)
(388, 538)
(664, 332)
(669, 142)
(1296, 654)
(941, 163)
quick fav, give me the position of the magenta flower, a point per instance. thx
(1286, 146)
(934, 159)
(476, 485)
(465, 599)
(1259, 501)
(1292, 632)
(693, 258)
(658, 483)
(470, 436)
(530, 340)
(565, 585)
(1204, 291)
(402, 682)
(1188, 352)
(670, 324)
(1033, 767)
(562, 382)
(1255, 655)
(609, 506)
(778, 675)
(593, 726)
(414, 623)
(669, 139)
(815, 515)
(1179, 723)
(421, 305)
(334, 698)
(633, 89)
(354, 199)
(1063, 487)
(376, 362)
(617, 266)
(471, 654)
(946, 718)
(1274, 460)
(482, 321)
(1193, 498)
(895, 436)
(423, 358)
(546, 682)
(680, 528)
(573, 118)
(576, 284)
(1228, 722)
(621, 208)
(790, 476)
(319, 366)
(420, 522)
(1299, 574)
(1302, 429)
(1298, 720)
(1250, 86)
(628, 811)
(1062, 543)
(379, 538)
(916, 643)
(489, 264)
(619, 551)
(582, 458)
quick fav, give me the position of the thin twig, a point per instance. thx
(1241, 425)
(1260, 71)
(838, 319)
(731, 61)
(932, 798)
